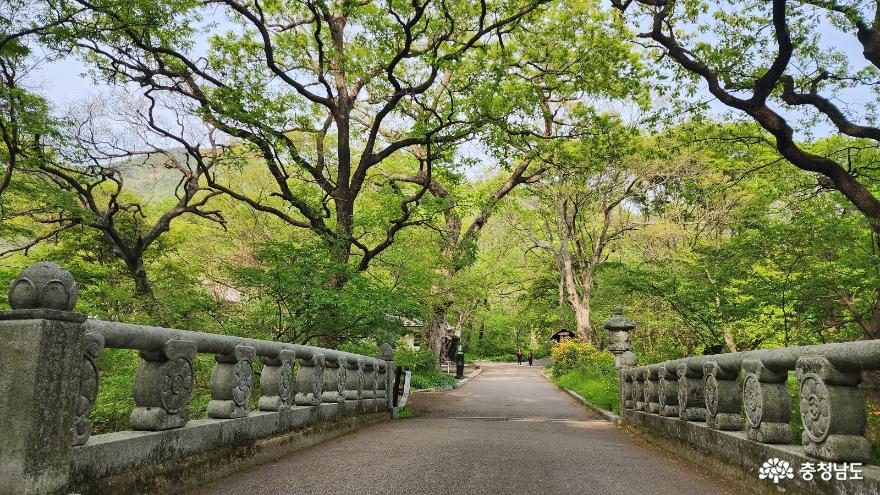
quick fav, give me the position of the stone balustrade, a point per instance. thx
(49, 382)
(748, 391)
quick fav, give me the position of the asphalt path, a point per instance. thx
(507, 432)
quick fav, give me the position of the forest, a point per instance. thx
(345, 173)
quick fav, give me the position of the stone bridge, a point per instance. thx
(713, 423)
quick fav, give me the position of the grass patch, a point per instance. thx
(431, 379)
(406, 413)
(600, 390)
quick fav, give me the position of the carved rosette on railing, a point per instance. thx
(766, 402)
(231, 382)
(722, 396)
(162, 386)
(832, 410)
(691, 403)
(88, 388)
(277, 382)
(310, 381)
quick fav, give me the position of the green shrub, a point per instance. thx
(422, 361)
(589, 372)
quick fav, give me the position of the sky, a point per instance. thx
(65, 82)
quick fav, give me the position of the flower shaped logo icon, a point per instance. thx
(776, 470)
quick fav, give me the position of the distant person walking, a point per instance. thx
(519, 356)
(531, 357)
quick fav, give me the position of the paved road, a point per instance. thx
(507, 432)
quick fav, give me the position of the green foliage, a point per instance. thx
(571, 354)
(407, 413)
(580, 367)
(422, 361)
(294, 293)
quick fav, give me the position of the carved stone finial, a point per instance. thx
(618, 323)
(44, 285)
(386, 353)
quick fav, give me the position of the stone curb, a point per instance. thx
(469, 377)
(608, 415)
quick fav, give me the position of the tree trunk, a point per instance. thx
(436, 330)
(142, 286)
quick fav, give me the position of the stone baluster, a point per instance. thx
(386, 353)
(627, 389)
(832, 410)
(310, 381)
(88, 388)
(330, 392)
(639, 395)
(277, 385)
(766, 402)
(41, 357)
(691, 404)
(162, 387)
(369, 389)
(354, 381)
(231, 382)
(341, 378)
(652, 384)
(667, 391)
(722, 395)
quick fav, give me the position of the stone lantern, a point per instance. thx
(618, 329)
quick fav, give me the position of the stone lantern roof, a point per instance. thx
(618, 323)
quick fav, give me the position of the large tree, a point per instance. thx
(308, 87)
(574, 54)
(774, 62)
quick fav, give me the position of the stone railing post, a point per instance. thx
(369, 387)
(832, 410)
(354, 380)
(41, 359)
(310, 381)
(766, 403)
(626, 386)
(691, 404)
(652, 385)
(277, 385)
(386, 353)
(722, 396)
(231, 382)
(639, 393)
(162, 386)
(330, 392)
(667, 391)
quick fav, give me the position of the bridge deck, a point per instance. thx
(509, 431)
